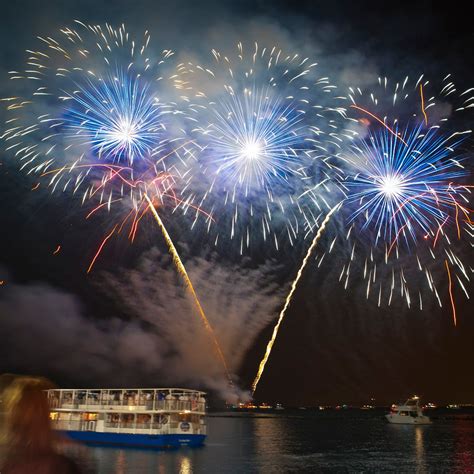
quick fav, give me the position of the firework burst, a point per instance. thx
(401, 185)
(91, 118)
(118, 118)
(407, 189)
(94, 121)
(404, 184)
(261, 128)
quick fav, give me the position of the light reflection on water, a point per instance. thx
(420, 449)
(186, 467)
(302, 442)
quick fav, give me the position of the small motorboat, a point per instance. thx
(409, 413)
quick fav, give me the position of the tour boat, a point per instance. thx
(142, 417)
(410, 413)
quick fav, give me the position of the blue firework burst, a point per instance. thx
(118, 117)
(402, 181)
(254, 140)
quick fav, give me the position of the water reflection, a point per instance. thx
(463, 445)
(420, 448)
(185, 467)
(109, 460)
(270, 439)
(295, 442)
(121, 464)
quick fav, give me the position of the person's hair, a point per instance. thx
(28, 423)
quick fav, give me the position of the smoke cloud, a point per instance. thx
(46, 331)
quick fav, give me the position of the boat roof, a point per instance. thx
(128, 389)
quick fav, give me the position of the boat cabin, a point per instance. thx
(134, 411)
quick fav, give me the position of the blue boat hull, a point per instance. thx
(137, 440)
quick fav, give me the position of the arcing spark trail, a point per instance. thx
(313, 245)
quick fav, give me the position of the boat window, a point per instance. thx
(67, 397)
(190, 418)
(89, 416)
(127, 420)
(146, 397)
(112, 420)
(143, 421)
(53, 399)
(174, 420)
(114, 397)
(160, 420)
(93, 397)
(130, 398)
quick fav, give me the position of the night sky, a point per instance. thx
(109, 328)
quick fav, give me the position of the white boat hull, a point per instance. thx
(407, 420)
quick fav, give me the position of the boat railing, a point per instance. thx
(135, 400)
(187, 406)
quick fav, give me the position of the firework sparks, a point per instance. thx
(103, 129)
(182, 271)
(381, 122)
(261, 136)
(94, 120)
(261, 133)
(404, 186)
(254, 142)
(407, 190)
(281, 316)
(118, 118)
(450, 289)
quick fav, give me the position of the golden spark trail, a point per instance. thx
(268, 351)
(182, 271)
(451, 297)
(423, 104)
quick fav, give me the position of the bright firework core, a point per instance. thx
(255, 139)
(391, 185)
(252, 150)
(125, 134)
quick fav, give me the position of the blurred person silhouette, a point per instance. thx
(30, 440)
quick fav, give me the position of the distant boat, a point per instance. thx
(279, 406)
(410, 413)
(149, 418)
(244, 406)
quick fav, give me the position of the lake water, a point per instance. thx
(304, 441)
